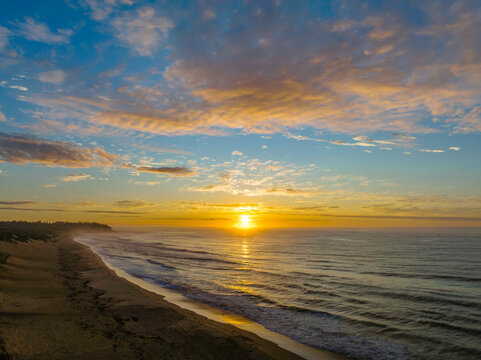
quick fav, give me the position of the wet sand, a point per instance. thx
(58, 300)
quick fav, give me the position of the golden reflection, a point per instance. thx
(245, 249)
(233, 319)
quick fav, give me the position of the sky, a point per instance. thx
(195, 113)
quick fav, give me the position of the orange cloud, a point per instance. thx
(352, 76)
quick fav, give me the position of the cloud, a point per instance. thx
(55, 77)
(163, 150)
(2, 117)
(258, 191)
(288, 191)
(253, 177)
(148, 183)
(431, 150)
(208, 14)
(363, 74)
(101, 9)
(362, 138)
(345, 89)
(234, 207)
(289, 135)
(50, 186)
(25, 149)
(112, 212)
(17, 202)
(4, 34)
(343, 25)
(344, 143)
(76, 177)
(18, 87)
(467, 122)
(30, 209)
(143, 30)
(132, 204)
(403, 136)
(454, 148)
(413, 217)
(40, 32)
(385, 142)
(236, 153)
(210, 188)
(173, 171)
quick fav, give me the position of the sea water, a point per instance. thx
(368, 294)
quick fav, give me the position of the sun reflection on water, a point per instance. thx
(245, 249)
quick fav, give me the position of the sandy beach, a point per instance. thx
(59, 301)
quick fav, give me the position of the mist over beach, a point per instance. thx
(232, 179)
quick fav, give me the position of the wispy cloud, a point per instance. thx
(163, 149)
(4, 34)
(143, 31)
(31, 209)
(375, 79)
(133, 204)
(253, 177)
(403, 136)
(16, 202)
(165, 170)
(19, 87)
(38, 31)
(431, 150)
(289, 135)
(76, 177)
(112, 212)
(344, 143)
(208, 14)
(55, 77)
(101, 9)
(148, 183)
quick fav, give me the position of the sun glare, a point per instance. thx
(245, 222)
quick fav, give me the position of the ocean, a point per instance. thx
(368, 294)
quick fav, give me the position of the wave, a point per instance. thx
(161, 264)
(426, 299)
(425, 276)
(440, 324)
(365, 302)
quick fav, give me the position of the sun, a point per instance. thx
(245, 222)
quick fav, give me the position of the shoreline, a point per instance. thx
(60, 300)
(223, 316)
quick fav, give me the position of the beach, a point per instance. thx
(58, 300)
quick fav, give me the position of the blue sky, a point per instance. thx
(329, 113)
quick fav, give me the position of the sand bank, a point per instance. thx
(58, 300)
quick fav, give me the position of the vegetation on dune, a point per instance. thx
(24, 230)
